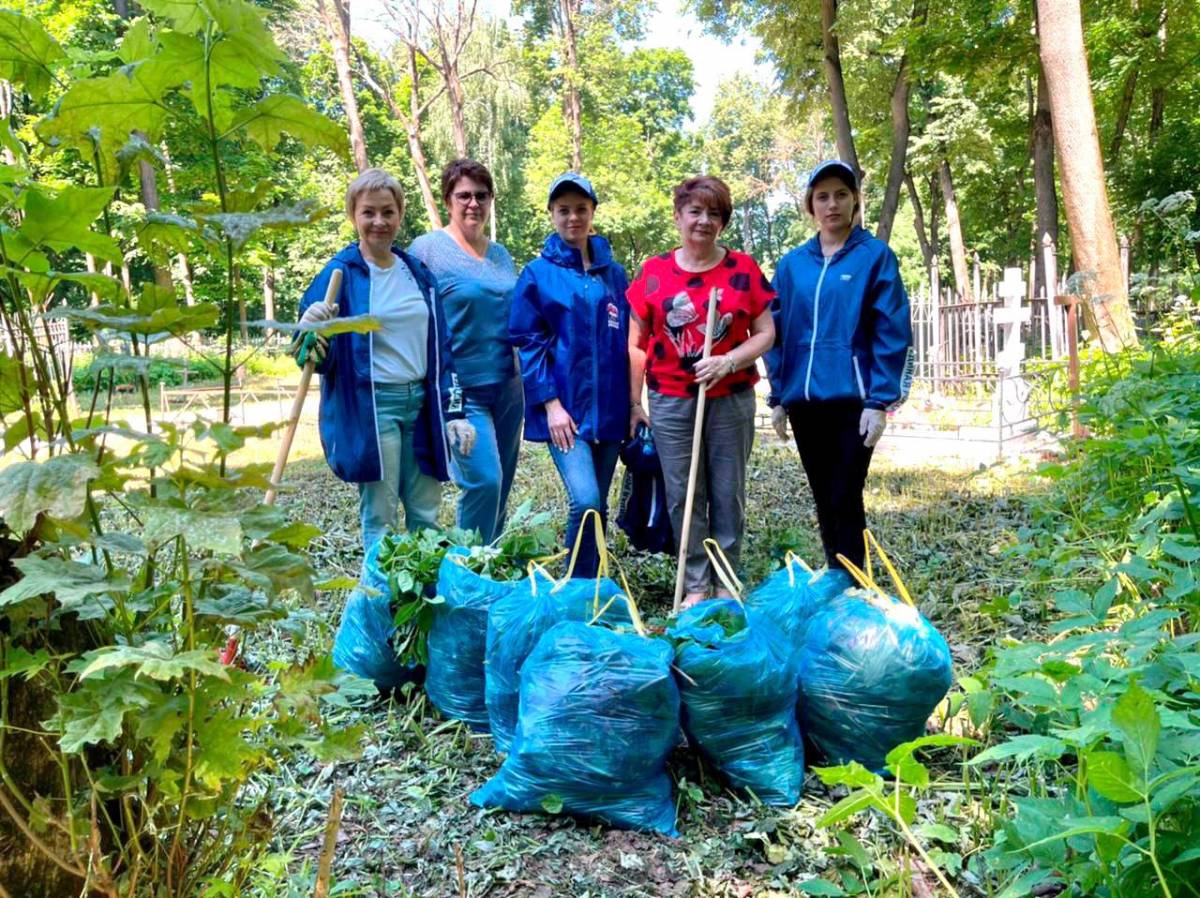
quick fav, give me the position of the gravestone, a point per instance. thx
(1010, 407)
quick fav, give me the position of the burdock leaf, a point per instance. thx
(57, 486)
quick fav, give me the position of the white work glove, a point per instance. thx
(779, 420)
(318, 312)
(462, 436)
(871, 425)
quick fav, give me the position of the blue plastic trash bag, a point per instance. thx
(791, 595)
(872, 669)
(599, 713)
(643, 503)
(738, 688)
(516, 623)
(363, 643)
(454, 680)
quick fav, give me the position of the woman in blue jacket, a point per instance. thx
(390, 401)
(842, 355)
(570, 324)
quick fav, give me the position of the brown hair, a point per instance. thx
(708, 191)
(458, 169)
(373, 179)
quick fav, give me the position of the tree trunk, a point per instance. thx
(269, 293)
(412, 131)
(1043, 182)
(958, 247)
(747, 232)
(1158, 94)
(336, 16)
(895, 178)
(919, 220)
(1123, 109)
(572, 102)
(1093, 237)
(458, 123)
(837, 85)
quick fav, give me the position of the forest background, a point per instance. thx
(948, 118)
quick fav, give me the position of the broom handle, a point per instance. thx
(697, 436)
(331, 292)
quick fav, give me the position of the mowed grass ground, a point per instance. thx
(407, 822)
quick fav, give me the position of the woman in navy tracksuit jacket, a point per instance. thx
(392, 439)
(570, 324)
(842, 355)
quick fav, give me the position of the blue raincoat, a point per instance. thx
(842, 326)
(571, 330)
(349, 434)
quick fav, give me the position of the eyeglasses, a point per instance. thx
(464, 197)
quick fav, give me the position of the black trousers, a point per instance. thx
(836, 463)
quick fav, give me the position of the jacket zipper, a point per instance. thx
(812, 343)
(862, 391)
(595, 368)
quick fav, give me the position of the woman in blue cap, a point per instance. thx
(570, 324)
(842, 355)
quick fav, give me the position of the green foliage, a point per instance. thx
(137, 552)
(1105, 716)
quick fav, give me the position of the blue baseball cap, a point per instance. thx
(838, 169)
(571, 181)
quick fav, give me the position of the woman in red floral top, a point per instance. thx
(666, 340)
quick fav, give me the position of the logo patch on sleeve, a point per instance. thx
(614, 316)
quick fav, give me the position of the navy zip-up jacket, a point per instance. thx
(571, 330)
(842, 326)
(349, 434)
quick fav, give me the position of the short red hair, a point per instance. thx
(708, 191)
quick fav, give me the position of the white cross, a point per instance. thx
(1010, 318)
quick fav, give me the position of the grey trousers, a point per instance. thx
(719, 506)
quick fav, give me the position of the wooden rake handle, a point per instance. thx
(697, 439)
(331, 292)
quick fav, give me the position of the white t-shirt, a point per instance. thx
(398, 348)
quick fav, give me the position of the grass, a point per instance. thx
(407, 815)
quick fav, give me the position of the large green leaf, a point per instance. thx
(62, 215)
(163, 234)
(11, 393)
(174, 320)
(27, 52)
(1022, 748)
(101, 113)
(267, 120)
(95, 712)
(228, 66)
(1136, 717)
(156, 660)
(189, 16)
(239, 227)
(41, 284)
(1110, 775)
(349, 324)
(57, 486)
(138, 42)
(71, 582)
(217, 533)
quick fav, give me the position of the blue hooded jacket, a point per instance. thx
(842, 326)
(349, 434)
(571, 330)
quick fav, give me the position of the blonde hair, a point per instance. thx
(373, 179)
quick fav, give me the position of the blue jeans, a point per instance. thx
(486, 475)
(586, 471)
(396, 410)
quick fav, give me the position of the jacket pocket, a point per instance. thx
(862, 390)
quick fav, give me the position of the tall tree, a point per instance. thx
(572, 101)
(1077, 144)
(1046, 215)
(439, 31)
(958, 246)
(336, 16)
(832, 57)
